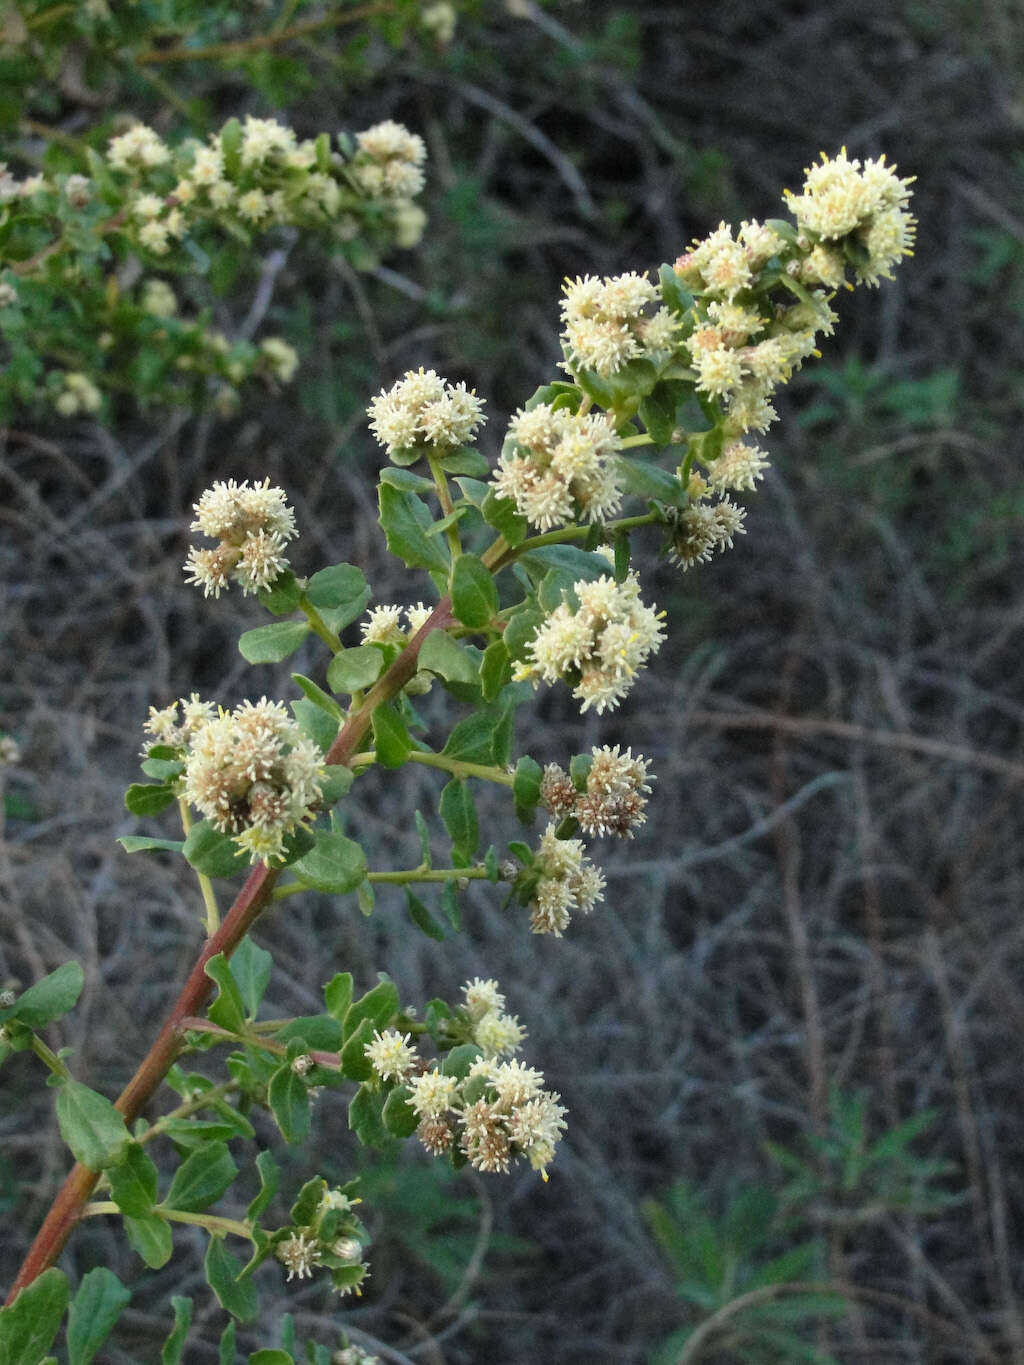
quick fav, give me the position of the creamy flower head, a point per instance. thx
(606, 323)
(559, 466)
(254, 775)
(388, 162)
(599, 645)
(140, 147)
(253, 526)
(424, 411)
(390, 1055)
(568, 881)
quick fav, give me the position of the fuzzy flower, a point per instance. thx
(432, 1094)
(567, 881)
(79, 394)
(388, 162)
(599, 645)
(558, 467)
(254, 775)
(165, 726)
(282, 359)
(382, 626)
(839, 196)
(264, 139)
(514, 1117)
(390, 1055)
(253, 525)
(10, 754)
(480, 997)
(606, 323)
(298, 1254)
(496, 1033)
(422, 411)
(158, 299)
(738, 468)
(139, 148)
(614, 798)
(701, 530)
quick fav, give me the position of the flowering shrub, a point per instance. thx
(527, 561)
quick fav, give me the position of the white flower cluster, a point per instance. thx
(277, 179)
(607, 323)
(253, 525)
(391, 1055)
(599, 645)
(703, 528)
(494, 1031)
(77, 394)
(499, 1113)
(566, 881)
(558, 467)
(333, 1240)
(424, 412)
(10, 753)
(254, 775)
(383, 624)
(841, 198)
(388, 164)
(282, 358)
(613, 799)
(165, 726)
(845, 214)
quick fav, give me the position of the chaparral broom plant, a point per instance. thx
(522, 567)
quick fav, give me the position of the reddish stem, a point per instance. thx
(66, 1209)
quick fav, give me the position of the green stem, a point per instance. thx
(196, 1025)
(205, 885)
(444, 497)
(260, 42)
(502, 559)
(458, 768)
(212, 1222)
(434, 874)
(49, 1058)
(186, 1110)
(320, 626)
(642, 439)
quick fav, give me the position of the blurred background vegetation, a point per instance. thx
(790, 1041)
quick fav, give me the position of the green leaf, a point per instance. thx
(93, 1312)
(307, 1202)
(650, 481)
(222, 1271)
(201, 1179)
(520, 631)
(336, 783)
(212, 853)
(466, 461)
(405, 522)
(227, 1010)
(270, 644)
(658, 413)
(48, 999)
(458, 812)
(231, 149)
(174, 1346)
(133, 1184)
(366, 898)
(422, 918)
(459, 1060)
(572, 563)
(502, 515)
(406, 481)
(364, 1118)
(226, 1348)
(29, 1325)
(335, 864)
(315, 723)
(150, 1237)
(621, 556)
(474, 594)
(288, 1098)
(162, 769)
(390, 737)
(495, 669)
(378, 1005)
(270, 1356)
(526, 788)
(91, 1126)
(450, 906)
(138, 843)
(320, 1031)
(355, 669)
(338, 995)
(251, 967)
(319, 697)
(453, 662)
(399, 1117)
(148, 798)
(282, 596)
(352, 1059)
(266, 1168)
